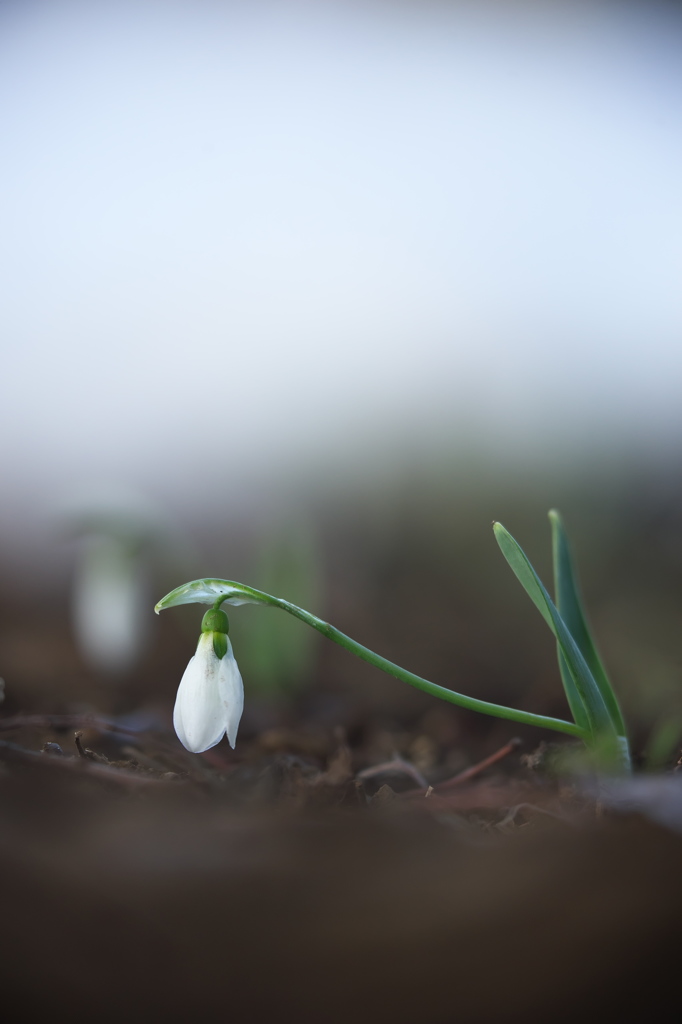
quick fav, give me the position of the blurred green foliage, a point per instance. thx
(276, 653)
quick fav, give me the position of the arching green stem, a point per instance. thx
(218, 592)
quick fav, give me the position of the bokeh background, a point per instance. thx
(306, 294)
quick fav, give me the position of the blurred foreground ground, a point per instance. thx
(278, 884)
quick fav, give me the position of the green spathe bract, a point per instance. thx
(208, 591)
(598, 721)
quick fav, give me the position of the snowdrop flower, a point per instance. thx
(109, 594)
(210, 697)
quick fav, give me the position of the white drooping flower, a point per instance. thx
(210, 697)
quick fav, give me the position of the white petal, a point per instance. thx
(199, 716)
(231, 693)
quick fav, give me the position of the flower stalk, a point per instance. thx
(218, 592)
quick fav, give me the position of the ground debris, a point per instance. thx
(52, 748)
(384, 795)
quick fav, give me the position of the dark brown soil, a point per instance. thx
(299, 879)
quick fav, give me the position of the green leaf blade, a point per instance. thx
(570, 607)
(583, 694)
(575, 701)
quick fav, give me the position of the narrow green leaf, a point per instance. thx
(570, 607)
(584, 696)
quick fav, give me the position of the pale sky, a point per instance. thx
(270, 230)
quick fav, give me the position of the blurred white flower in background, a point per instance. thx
(110, 601)
(125, 545)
